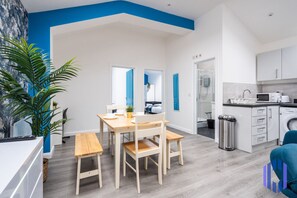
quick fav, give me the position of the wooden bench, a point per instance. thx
(174, 137)
(87, 145)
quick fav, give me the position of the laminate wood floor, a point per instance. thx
(208, 172)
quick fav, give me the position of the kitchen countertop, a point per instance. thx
(251, 105)
(261, 105)
(13, 156)
(288, 105)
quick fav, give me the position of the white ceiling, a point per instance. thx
(253, 13)
(64, 31)
(126, 21)
(191, 9)
(45, 5)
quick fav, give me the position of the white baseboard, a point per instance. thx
(50, 154)
(180, 128)
(72, 133)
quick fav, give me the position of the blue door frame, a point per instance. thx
(175, 92)
(130, 88)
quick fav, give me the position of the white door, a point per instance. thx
(272, 123)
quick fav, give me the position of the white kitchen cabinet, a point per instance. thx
(261, 120)
(254, 126)
(272, 123)
(257, 130)
(243, 126)
(259, 111)
(22, 171)
(259, 139)
(269, 66)
(289, 62)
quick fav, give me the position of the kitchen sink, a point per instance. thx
(243, 100)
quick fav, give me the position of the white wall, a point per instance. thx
(220, 35)
(287, 42)
(239, 50)
(96, 51)
(205, 40)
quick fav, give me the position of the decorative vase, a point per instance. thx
(45, 169)
(129, 114)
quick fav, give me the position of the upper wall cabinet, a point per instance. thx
(269, 66)
(289, 62)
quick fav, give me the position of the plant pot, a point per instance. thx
(45, 169)
(129, 114)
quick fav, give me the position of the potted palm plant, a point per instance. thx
(44, 83)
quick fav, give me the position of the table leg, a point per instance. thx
(78, 175)
(101, 132)
(117, 159)
(164, 152)
(99, 170)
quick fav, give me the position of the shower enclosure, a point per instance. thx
(206, 97)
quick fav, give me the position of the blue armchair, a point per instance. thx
(287, 154)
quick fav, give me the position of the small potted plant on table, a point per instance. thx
(129, 111)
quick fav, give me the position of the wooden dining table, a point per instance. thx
(121, 125)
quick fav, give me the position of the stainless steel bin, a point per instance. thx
(221, 132)
(229, 124)
(227, 132)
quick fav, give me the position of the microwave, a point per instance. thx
(269, 97)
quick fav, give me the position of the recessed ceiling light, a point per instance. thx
(270, 14)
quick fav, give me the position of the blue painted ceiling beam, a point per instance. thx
(41, 22)
(69, 15)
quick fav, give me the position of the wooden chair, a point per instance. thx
(115, 109)
(145, 148)
(174, 137)
(87, 145)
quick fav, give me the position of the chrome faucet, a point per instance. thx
(246, 90)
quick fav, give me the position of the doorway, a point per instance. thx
(205, 116)
(122, 86)
(153, 91)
